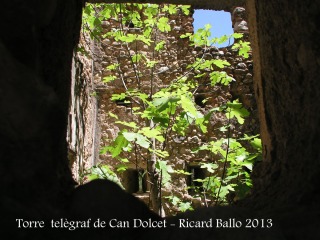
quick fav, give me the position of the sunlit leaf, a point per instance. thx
(109, 79)
(128, 124)
(209, 166)
(237, 110)
(163, 24)
(152, 133)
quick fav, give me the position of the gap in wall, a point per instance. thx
(99, 128)
(220, 22)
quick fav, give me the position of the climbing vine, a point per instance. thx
(159, 115)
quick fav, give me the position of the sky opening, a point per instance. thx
(219, 20)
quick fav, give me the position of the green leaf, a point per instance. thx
(244, 48)
(200, 75)
(151, 11)
(128, 148)
(103, 150)
(237, 35)
(129, 38)
(92, 177)
(164, 121)
(159, 46)
(119, 143)
(220, 63)
(185, 9)
(151, 64)
(248, 138)
(120, 96)
(220, 77)
(152, 133)
(210, 166)
(88, 9)
(235, 109)
(241, 157)
(103, 171)
(124, 160)
(107, 12)
(175, 200)
(112, 66)
(165, 170)
(137, 57)
(109, 79)
(199, 180)
(207, 26)
(186, 35)
(188, 105)
(223, 192)
(160, 153)
(256, 143)
(121, 167)
(223, 129)
(142, 141)
(160, 101)
(181, 124)
(248, 165)
(172, 9)
(200, 121)
(144, 39)
(184, 206)
(97, 23)
(163, 24)
(128, 124)
(113, 115)
(150, 22)
(130, 136)
(223, 39)
(117, 146)
(164, 102)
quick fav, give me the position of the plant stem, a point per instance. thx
(225, 160)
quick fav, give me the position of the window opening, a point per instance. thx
(126, 102)
(196, 173)
(220, 22)
(134, 180)
(130, 56)
(199, 100)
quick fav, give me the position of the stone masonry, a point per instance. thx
(91, 127)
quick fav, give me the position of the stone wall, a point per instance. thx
(173, 63)
(82, 113)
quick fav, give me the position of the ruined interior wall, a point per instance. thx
(173, 63)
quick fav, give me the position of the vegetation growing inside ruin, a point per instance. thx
(161, 114)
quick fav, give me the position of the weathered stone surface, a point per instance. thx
(172, 64)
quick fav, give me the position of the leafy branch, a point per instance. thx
(159, 115)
